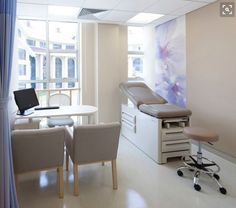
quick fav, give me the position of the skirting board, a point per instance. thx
(217, 152)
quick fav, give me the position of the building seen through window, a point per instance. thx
(58, 72)
(31, 42)
(44, 72)
(22, 69)
(47, 54)
(71, 71)
(56, 46)
(22, 54)
(42, 44)
(33, 70)
(135, 52)
(70, 47)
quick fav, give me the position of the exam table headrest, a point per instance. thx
(139, 93)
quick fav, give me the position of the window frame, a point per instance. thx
(135, 53)
(50, 80)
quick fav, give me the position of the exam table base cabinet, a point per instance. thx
(159, 139)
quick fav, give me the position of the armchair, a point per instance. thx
(93, 144)
(59, 100)
(39, 149)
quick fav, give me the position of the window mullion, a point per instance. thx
(48, 68)
(77, 47)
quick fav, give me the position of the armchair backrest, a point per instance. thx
(37, 149)
(59, 99)
(94, 143)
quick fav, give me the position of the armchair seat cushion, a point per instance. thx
(60, 121)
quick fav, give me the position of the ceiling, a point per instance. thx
(119, 11)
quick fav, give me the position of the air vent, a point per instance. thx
(86, 11)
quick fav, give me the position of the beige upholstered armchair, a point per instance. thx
(26, 124)
(91, 144)
(39, 149)
(59, 100)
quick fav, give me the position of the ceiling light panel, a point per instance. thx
(32, 11)
(144, 18)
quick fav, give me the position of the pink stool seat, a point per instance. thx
(200, 134)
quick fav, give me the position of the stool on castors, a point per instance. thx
(197, 163)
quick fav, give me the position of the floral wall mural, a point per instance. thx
(171, 61)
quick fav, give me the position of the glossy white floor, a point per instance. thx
(142, 183)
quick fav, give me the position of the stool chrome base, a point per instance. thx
(199, 165)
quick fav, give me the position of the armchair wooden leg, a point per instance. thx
(76, 179)
(61, 182)
(114, 174)
(67, 161)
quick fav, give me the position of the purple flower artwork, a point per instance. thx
(171, 61)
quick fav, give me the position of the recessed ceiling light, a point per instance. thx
(64, 11)
(144, 18)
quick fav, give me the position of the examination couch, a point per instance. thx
(152, 124)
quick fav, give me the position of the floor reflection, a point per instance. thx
(43, 179)
(134, 199)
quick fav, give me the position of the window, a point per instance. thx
(71, 71)
(137, 64)
(135, 52)
(33, 70)
(19, 32)
(22, 86)
(49, 51)
(32, 33)
(56, 46)
(44, 72)
(22, 54)
(42, 44)
(58, 72)
(31, 42)
(61, 35)
(70, 47)
(22, 70)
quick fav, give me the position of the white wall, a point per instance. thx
(112, 69)
(104, 66)
(14, 75)
(211, 72)
(149, 56)
(88, 63)
(13, 84)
